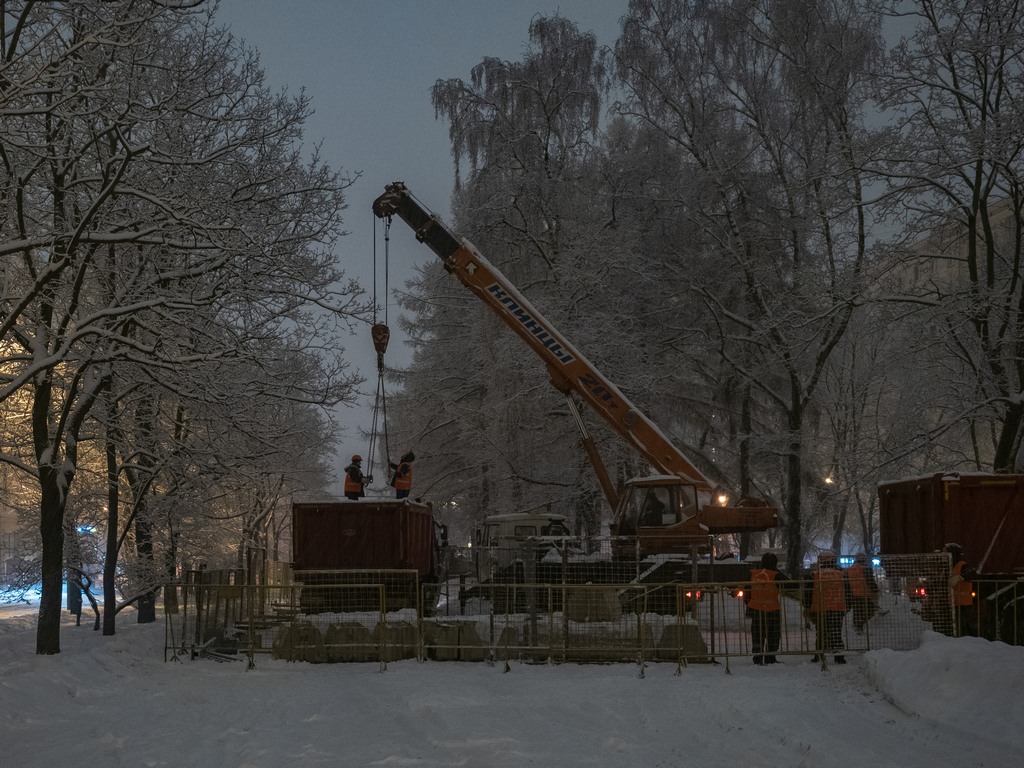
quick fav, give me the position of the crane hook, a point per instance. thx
(381, 334)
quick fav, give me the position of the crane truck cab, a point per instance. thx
(664, 514)
(501, 540)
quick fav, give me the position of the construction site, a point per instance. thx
(378, 580)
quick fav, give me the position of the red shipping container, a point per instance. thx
(363, 535)
(983, 513)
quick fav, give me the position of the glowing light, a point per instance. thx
(722, 499)
(829, 480)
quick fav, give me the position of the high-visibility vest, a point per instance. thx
(351, 486)
(962, 590)
(829, 590)
(403, 482)
(858, 580)
(764, 593)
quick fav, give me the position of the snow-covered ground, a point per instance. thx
(114, 702)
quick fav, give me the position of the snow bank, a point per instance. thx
(112, 701)
(966, 684)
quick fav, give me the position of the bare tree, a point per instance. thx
(762, 98)
(953, 93)
(159, 212)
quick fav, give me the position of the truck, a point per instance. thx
(501, 539)
(339, 545)
(984, 514)
(672, 512)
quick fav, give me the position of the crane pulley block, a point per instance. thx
(381, 334)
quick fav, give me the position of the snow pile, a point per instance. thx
(966, 684)
(112, 701)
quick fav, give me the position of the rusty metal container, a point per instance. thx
(983, 513)
(366, 534)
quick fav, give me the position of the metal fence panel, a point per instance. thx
(381, 616)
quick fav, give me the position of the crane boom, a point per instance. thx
(569, 370)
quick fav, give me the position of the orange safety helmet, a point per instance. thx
(357, 457)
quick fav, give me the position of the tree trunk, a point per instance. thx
(144, 545)
(51, 530)
(745, 463)
(113, 524)
(139, 481)
(1006, 453)
(794, 523)
(838, 524)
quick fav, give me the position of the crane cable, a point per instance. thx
(380, 334)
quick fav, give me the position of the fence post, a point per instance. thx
(551, 626)
(507, 667)
(680, 629)
(725, 625)
(640, 628)
(247, 596)
(565, 600)
(383, 629)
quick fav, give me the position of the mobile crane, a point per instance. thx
(670, 512)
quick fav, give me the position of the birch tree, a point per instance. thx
(526, 129)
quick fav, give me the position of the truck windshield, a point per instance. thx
(555, 529)
(650, 507)
(522, 531)
(687, 502)
(491, 536)
(657, 508)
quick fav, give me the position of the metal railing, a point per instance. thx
(382, 616)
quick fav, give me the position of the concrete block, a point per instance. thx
(684, 637)
(350, 641)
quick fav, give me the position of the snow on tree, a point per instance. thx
(159, 214)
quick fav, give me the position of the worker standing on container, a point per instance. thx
(961, 584)
(765, 609)
(863, 591)
(354, 479)
(402, 479)
(828, 606)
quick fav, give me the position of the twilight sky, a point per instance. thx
(368, 67)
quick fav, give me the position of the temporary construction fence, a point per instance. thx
(382, 616)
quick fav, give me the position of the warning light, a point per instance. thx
(739, 593)
(920, 592)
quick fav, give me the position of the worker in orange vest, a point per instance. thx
(765, 609)
(401, 480)
(961, 584)
(828, 606)
(863, 591)
(355, 480)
